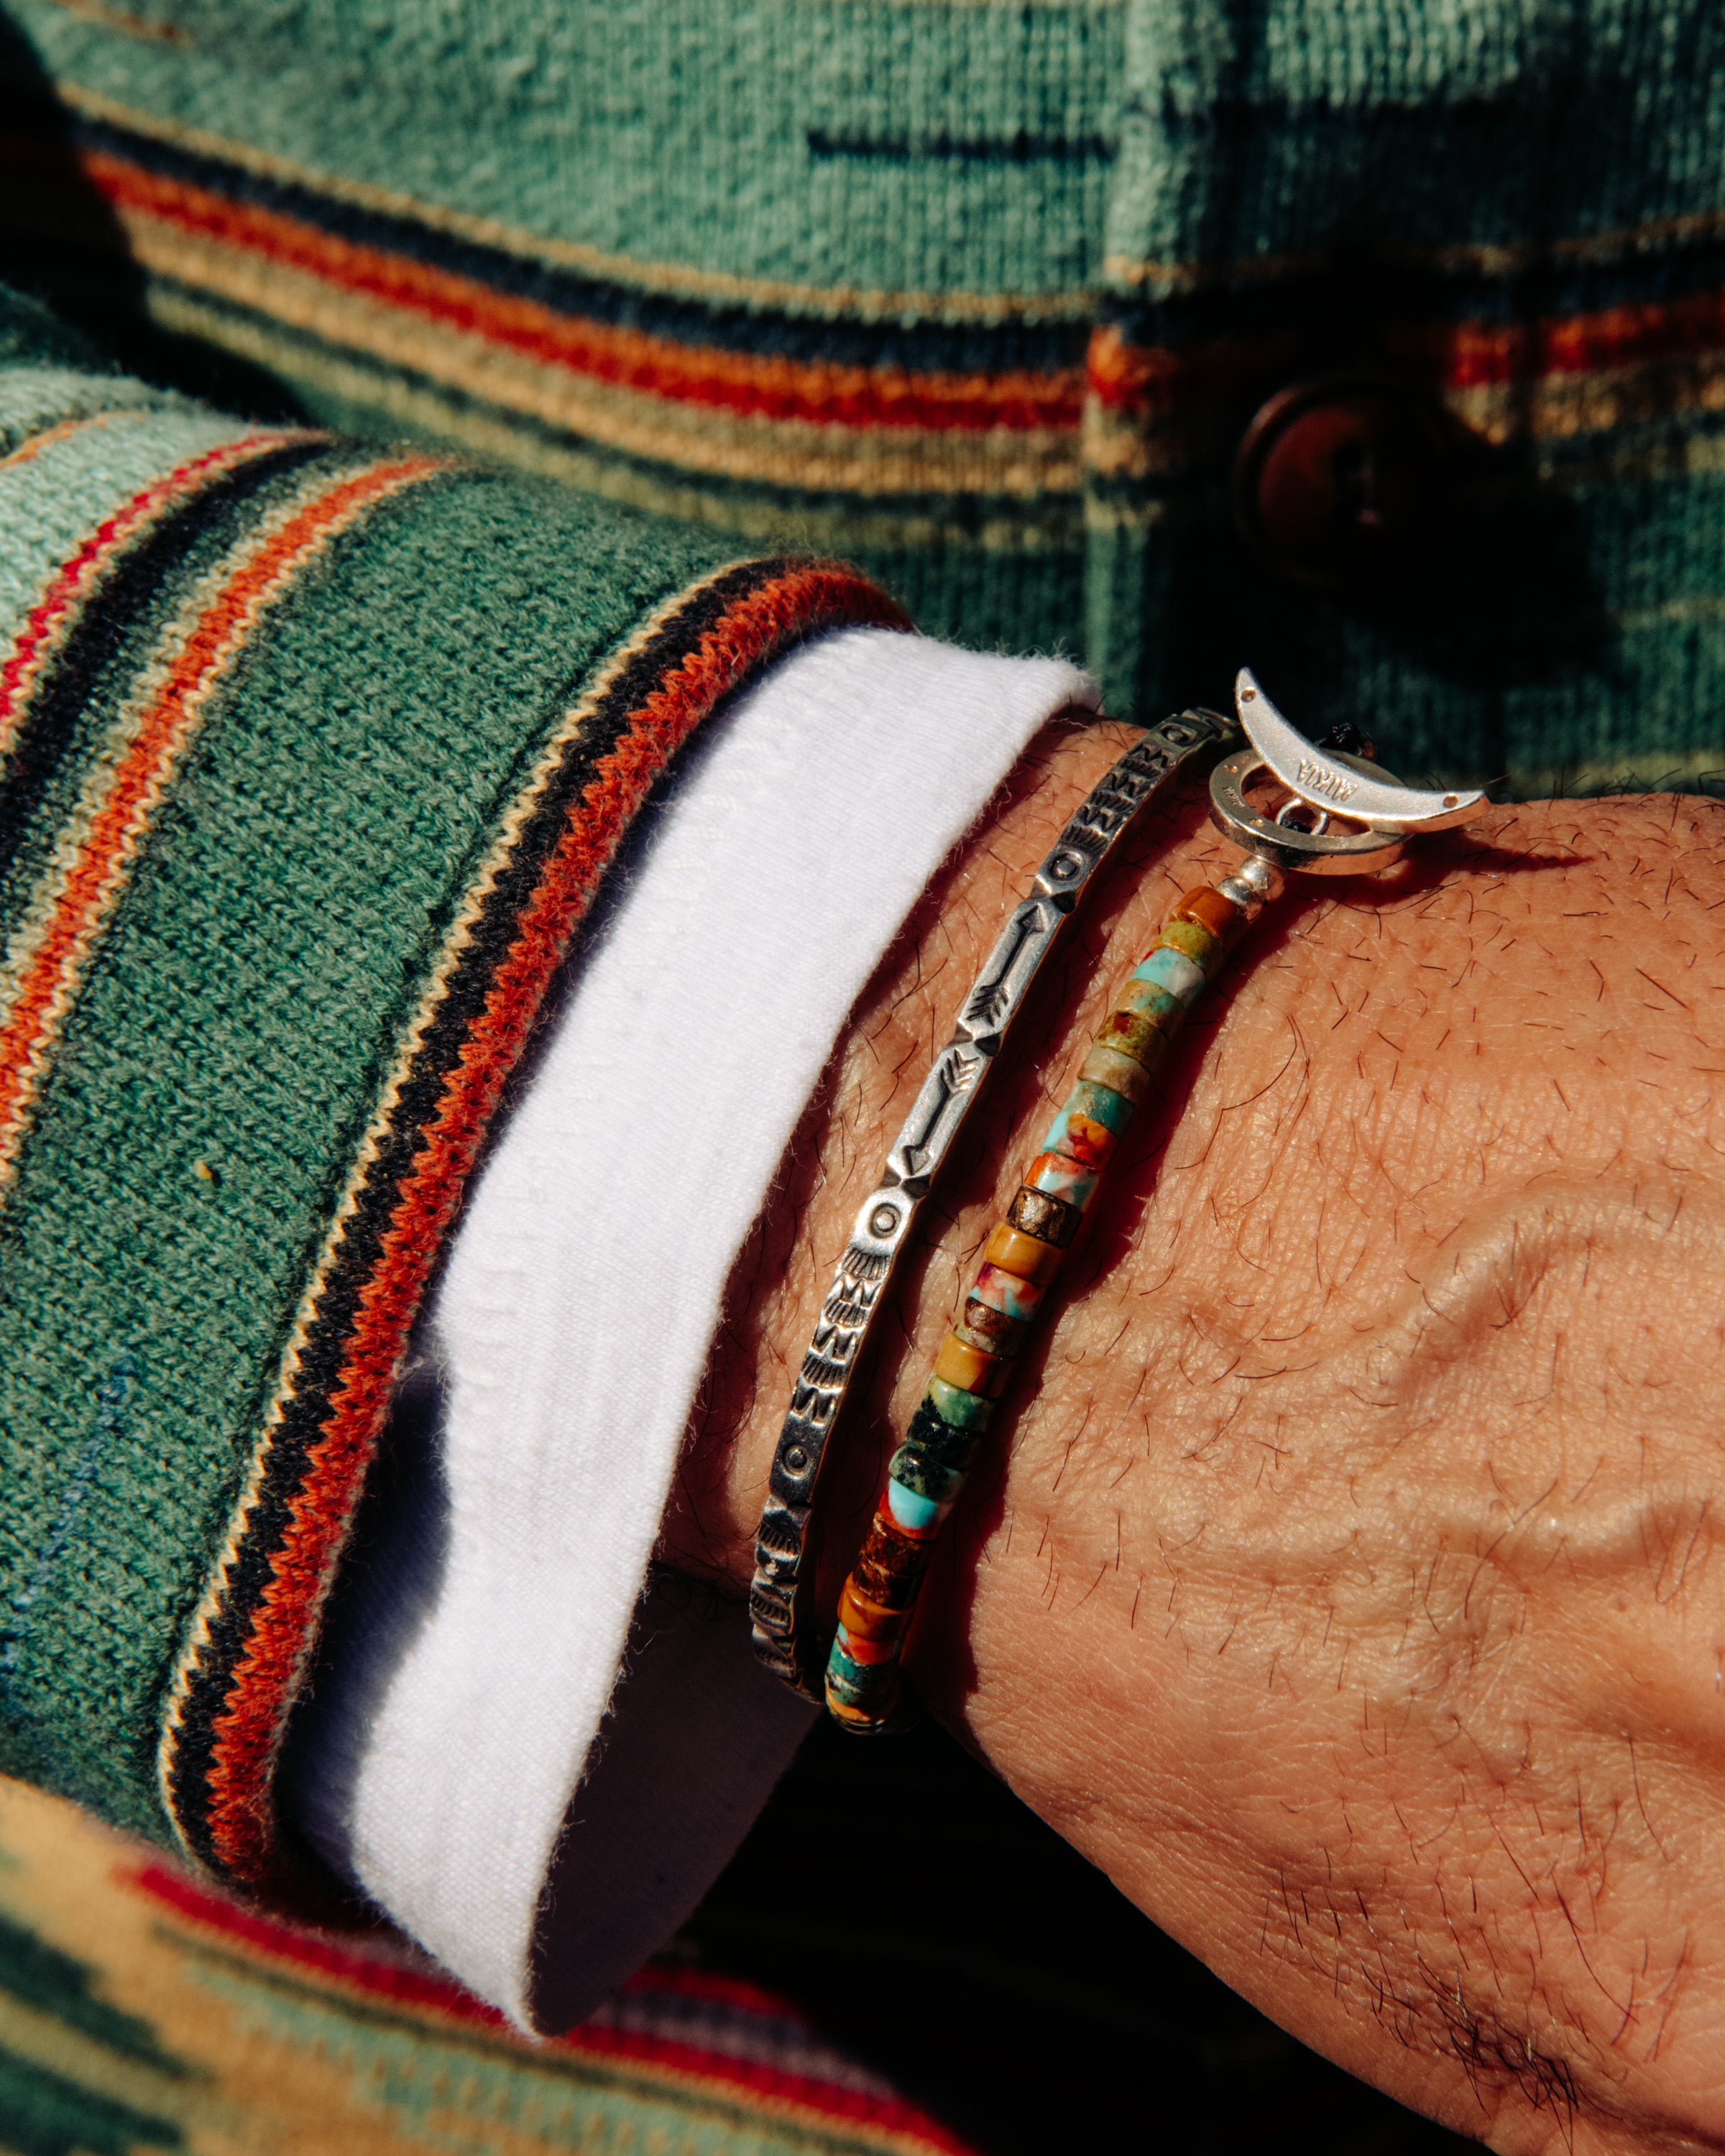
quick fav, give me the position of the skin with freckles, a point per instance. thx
(1343, 1576)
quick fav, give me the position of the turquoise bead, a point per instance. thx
(911, 1510)
(1173, 971)
(1057, 1177)
(1101, 1104)
(857, 1684)
(1008, 1294)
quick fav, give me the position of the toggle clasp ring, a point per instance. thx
(1378, 814)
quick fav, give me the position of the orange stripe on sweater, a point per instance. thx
(73, 582)
(240, 1824)
(90, 887)
(1473, 355)
(761, 387)
(1452, 356)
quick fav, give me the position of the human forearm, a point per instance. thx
(1345, 1593)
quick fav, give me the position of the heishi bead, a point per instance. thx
(1192, 940)
(986, 1328)
(889, 1567)
(1006, 1292)
(912, 1513)
(1027, 1256)
(910, 1468)
(868, 1691)
(857, 1719)
(1145, 1039)
(864, 1619)
(957, 1408)
(1099, 1104)
(944, 1444)
(1174, 971)
(1144, 1000)
(858, 1647)
(1074, 1134)
(1048, 1219)
(970, 1369)
(1119, 1072)
(1223, 918)
(1056, 1177)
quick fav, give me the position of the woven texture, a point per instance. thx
(138, 2011)
(314, 756)
(981, 297)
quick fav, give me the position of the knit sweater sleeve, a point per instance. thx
(315, 757)
(465, 1758)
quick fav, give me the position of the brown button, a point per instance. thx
(1338, 480)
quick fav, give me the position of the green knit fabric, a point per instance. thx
(331, 679)
(224, 1053)
(826, 273)
(1370, 181)
(982, 296)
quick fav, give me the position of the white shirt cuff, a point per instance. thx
(472, 1759)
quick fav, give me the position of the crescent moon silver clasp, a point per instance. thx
(1331, 786)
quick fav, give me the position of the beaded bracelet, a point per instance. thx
(1342, 815)
(784, 1638)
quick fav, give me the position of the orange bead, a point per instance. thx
(852, 1717)
(970, 1369)
(869, 1620)
(1211, 910)
(1023, 1254)
(863, 1650)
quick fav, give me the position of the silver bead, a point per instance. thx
(1252, 884)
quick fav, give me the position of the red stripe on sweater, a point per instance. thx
(417, 1991)
(769, 388)
(1475, 355)
(239, 1821)
(1452, 356)
(89, 887)
(78, 576)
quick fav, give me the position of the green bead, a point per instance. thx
(1101, 1104)
(1192, 940)
(962, 1411)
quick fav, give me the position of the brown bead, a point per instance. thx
(971, 1369)
(1342, 479)
(867, 1619)
(1211, 910)
(890, 1566)
(1023, 1255)
(991, 1329)
(1048, 1219)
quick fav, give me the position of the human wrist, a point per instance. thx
(784, 1272)
(1186, 1617)
(1358, 1505)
